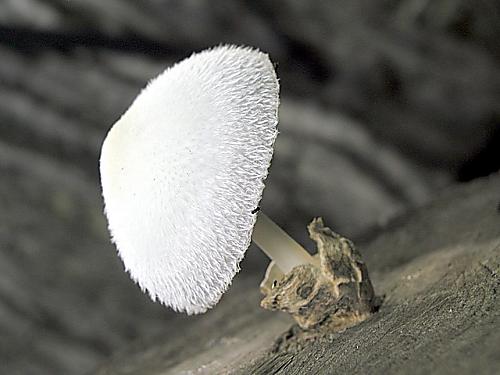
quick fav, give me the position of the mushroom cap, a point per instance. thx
(183, 170)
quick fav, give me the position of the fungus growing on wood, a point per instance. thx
(182, 175)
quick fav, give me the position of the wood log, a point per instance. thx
(439, 273)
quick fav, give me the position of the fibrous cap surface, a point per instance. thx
(183, 169)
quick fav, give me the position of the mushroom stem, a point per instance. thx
(278, 245)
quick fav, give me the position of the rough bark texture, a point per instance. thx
(439, 272)
(334, 294)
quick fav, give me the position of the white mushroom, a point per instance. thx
(183, 171)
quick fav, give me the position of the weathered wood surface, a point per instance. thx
(439, 273)
(382, 102)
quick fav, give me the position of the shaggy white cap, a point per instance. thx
(183, 169)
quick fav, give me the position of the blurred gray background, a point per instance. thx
(384, 104)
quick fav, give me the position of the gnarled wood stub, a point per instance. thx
(336, 295)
